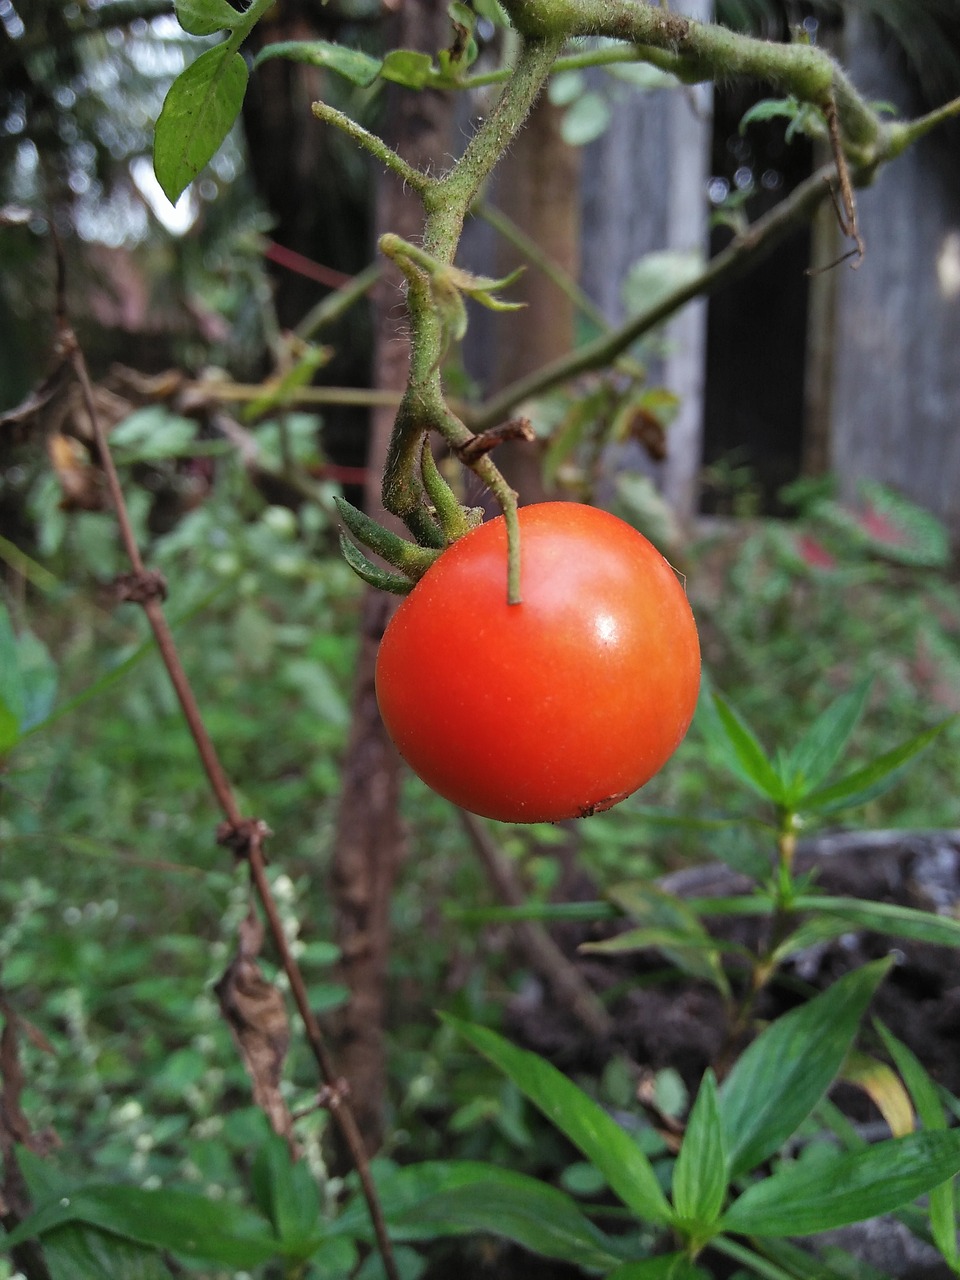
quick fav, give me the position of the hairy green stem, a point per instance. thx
(696, 51)
(376, 146)
(903, 135)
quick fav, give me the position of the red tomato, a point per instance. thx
(554, 708)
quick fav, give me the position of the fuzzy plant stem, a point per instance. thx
(447, 201)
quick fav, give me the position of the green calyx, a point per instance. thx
(409, 561)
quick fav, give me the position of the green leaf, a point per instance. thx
(11, 690)
(38, 681)
(334, 1259)
(822, 745)
(770, 109)
(700, 1172)
(189, 1225)
(205, 17)
(926, 1100)
(407, 67)
(586, 119)
(656, 275)
(885, 917)
(873, 779)
(565, 87)
(691, 949)
(744, 754)
(354, 65)
(669, 1266)
(9, 728)
(153, 433)
(596, 1134)
(197, 114)
(778, 1080)
(76, 1252)
(518, 1208)
(806, 1198)
(286, 1193)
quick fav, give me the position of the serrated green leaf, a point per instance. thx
(850, 1187)
(197, 114)
(206, 17)
(874, 778)
(822, 745)
(700, 1172)
(779, 1078)
(516, 1207)
(596, 1134)
(743, 753)
(353, 64)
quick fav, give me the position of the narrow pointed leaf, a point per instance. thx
(596, 1134)
(515, 1207)
(873, 779)
(781, 1076)
(823, 743)
(926, 1100)
(700, 1172)
(810, 933)
(886, 917)
(883, 1087)
(744, 754)
(803, 1199)
(693, 950)
(198, 113)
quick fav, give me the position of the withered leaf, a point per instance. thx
(256, 1014)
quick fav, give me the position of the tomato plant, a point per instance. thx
(557, 707)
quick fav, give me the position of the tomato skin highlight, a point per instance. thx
(556, 707)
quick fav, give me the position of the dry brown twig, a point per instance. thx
(245, 836)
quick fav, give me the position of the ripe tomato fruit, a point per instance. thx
(556, 707)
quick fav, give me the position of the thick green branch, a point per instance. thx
(448, 202)
(696, 51)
